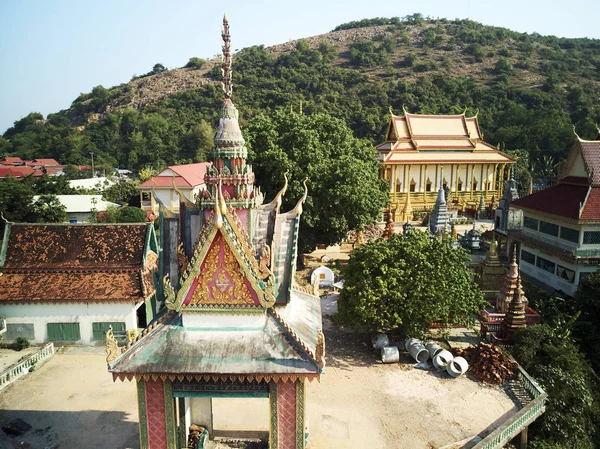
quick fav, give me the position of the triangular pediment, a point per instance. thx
(223, 273)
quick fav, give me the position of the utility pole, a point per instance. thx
(93, 172)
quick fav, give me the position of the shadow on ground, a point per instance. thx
(62, 429)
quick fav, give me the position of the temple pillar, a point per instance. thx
(287, 415)
(156, 413)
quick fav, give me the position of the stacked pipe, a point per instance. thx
(441, 359)
(389, 354)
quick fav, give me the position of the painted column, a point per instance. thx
(287, 415)
(157, 417)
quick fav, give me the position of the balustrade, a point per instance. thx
(15, 371)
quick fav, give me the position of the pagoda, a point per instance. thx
(235, 325)
(440, 219)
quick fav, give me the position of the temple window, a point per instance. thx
(460, 186)
(528, 257)
(549, 228)
(487, 185)
(412, 186)
(530, 223)
(569, 234)
(591, 237)
(398, 186)
(428, 186)
(474, 185)
(545, 264)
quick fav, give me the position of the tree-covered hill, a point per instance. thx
(528, 90)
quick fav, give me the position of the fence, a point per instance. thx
(516, 423)
(15, 371)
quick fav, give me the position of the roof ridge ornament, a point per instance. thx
(404, 109)
(303, 199)
(226, 58)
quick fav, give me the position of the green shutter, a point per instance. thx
(63, 332)
(99, 329)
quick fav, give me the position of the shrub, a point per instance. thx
(21, 343)
(195, 63)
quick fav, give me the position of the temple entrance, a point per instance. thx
(233, 414)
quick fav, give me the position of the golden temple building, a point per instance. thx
(421, 152)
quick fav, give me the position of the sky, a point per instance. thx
(53, 50)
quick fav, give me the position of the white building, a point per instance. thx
(99, 183)
(187, 179)
(80, 208)
(559, 236)
(323, 275)
(69, 283)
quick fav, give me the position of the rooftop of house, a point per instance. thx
(82, 203)
(74, 263)
(188, 175)
(100, 182)
(577, 194)
(18, 171)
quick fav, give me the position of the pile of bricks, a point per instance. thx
(488, 364)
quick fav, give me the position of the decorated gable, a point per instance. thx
(220, 282)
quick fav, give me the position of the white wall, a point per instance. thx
(84, 314)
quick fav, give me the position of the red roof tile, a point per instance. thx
(189, 175)
(561, 199)
(66, 246)
(591, 210)
(42, 162)
(11, 160)
(72, 286)
(17, 172)
(591, 156)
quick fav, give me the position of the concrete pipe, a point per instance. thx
(442, 358)
(418, 352)
(457, 367)
(411, 341)
(390, 354)
(380, 340)
(433, 349)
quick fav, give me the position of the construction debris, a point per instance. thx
(488, 364)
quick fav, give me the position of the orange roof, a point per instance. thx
(17, 172)
(42, 162)
(418, 134)
(8, 160)
(188, 175)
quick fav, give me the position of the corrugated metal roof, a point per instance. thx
(82, 203)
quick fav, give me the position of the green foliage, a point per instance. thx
(21, 343)
(475, 50)
(408, 282)
(48, 209)
(123, 192)
(195, 63)
(503, 67)
(344, 190)
(130, 214)
(572, 410)
(587, 329)
(365, 53)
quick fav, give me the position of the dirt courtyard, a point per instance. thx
(71, 401)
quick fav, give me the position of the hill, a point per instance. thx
(528, 90)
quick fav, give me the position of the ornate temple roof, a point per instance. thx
(77, 263)
(417, 138)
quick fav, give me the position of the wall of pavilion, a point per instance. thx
(422, 151)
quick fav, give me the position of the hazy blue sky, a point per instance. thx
(52, 50)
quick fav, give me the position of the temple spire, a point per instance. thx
(226, 64)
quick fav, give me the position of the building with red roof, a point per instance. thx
(174, 180)
(70, 282)
(18, 171)
(559, 235)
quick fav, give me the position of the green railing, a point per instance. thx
(521, 419)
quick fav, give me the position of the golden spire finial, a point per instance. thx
(303, 199)
(514, 257)
(226, 64)
(300, 108)
(218, 216)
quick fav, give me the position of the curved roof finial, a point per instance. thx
(465, 111)
(576, 135)
(279, 197)
(303, 199)
(218, 216)
(222, 198)
(404, 109)
(391, 111)
(226, 64)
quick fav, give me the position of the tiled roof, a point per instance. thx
(77, 263)
(11, 160)
(17, 172)
(591, 210)
(73, 286)
(188, 175)
(561, 199)
(42, 162)
(591, 155)
(66, 246)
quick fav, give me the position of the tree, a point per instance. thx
(123, 192)
(48, 209)
(158, 68)
(344, 189)
(195, 63)
(572, 410)
(587, 328)
(16, 198)
(130, 214)
(408, 282)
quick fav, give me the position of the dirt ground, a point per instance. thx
(71, 401)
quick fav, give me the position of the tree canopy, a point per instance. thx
(408, 282)
(573, 408)
(344, 189)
